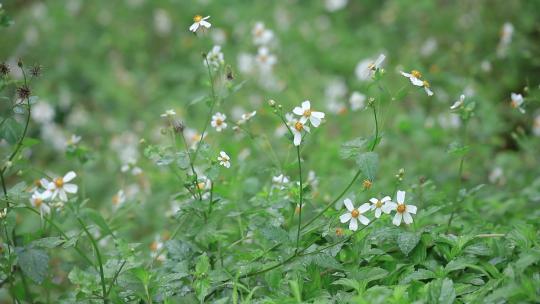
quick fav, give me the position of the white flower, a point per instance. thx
(297, 128)
(416, 79)
(457, 104)
(261, 35)
(403, 211)
(380, 205)
(169, 114)
(59, 187)
(335, 5)
(74, 139)
(3, 212)
(193, 137)
(224, 159)
(118, 199)
(199, 22)
(265, 60)
(507, 32)
(280, 181)
(357, 101)
(42, 112)
(215, 57)
(354, 215)
(218, 121)
(155, 249)
(517, 102)
(536, 125)
(246, 117)
(306, 114)
(366, 68)
(162, 22)
(38, 201)
(496, 176)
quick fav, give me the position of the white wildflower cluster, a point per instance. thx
(517, 102)
(507, 31)
(214, 58)
(52, 193)
(379, 206)
(299, 126)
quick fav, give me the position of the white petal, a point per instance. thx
(406, 74)
(62, 195)
(411, 209)
(373, 200)
(428, 91)
(298, 111)
(400, 197)
(380, 60)
(306, 105)
(319, 115)
(388, 207)
(194, 27)
(71, 188)
(386, 199)
(416, 81)
(315, 121)
(303, 120)
(353, 224)
(206, 24)
(345, 217)
(297, 138)
(364, 208)
(348, 204)
(206, 18)
(364, 220)
(407, 218)
(378, 212)
(397, 219)
(69, 176)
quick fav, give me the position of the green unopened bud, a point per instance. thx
(272, 103)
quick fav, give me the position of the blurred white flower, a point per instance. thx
(162, 22)
(245, 63)
(354, 215)
(219, 36)
(42, 112)
(367, 67)
(74, 140)
(297, 129)
(459, 103)
(280, 181)
(306, 114)
(169, 114)
(215, 57)
(517, 102)
(312, 179)
(380, 205)
(155, 249)
(218, 121)
(224, 159)
(335, 5)
(59, 187)
(507, 32)
(496, 176)
(449, 120)
(192, 137)
(261, 35)
(485, 65)
(416, 79)
(403, 211)
(246, 117)
(200, 22)
(429, 47)
(38, 201)
(265, 59)
(357, 101)
(118, 199)
(536, 125)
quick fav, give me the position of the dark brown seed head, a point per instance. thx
(4, 69)
(24, 92)
(36, 70)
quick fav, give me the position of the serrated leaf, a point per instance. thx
(11, 130)
(407, 241)
(369, 164)
(275, 234)
(352, 147)
(420, 274)
(369, 274)
(326, 261)
(34, 263)
(202, 266)
(48, 242)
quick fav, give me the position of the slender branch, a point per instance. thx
(117, 273)
(301, 198)
(459, 178)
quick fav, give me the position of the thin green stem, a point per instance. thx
(459, 181)
(116, 274)
(301, 198)
(191, 164)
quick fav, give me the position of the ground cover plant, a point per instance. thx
(291, 151)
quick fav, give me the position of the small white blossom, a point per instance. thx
(59, 187)
(38, 201)
(354, 215)
(215, 57)
(261, 35)
(155, 249)
(280, 181)
(357, 101)
(457, 104)
(366, 68)
(306, 114)
(246, 117)
(200, 22)
(380, 205)
(416, 79)
(118, 199)
(297, 129)
(335, 5)
(536, 125)
(264, 59)
(517, 102)
(218, 121)
(224, 159)
(169, 114)
(403, 211)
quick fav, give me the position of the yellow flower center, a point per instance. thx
(201, 185)
(307, 113)
(59, 182)
(219, 122)
(154, 246)
(378, 204)
(426, 84)
(197, 18)
(298, 126)
(367, 184)
(416, 74)
(514, 104)
(371, 66)
(115, 199)
(263, 58)
(38, 202)
(401, 208)
(355, 213)
(339, 231)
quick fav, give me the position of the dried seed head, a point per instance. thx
(24, 92)
(20, 63)
(4, 69)
(178, 126)
(36, 70)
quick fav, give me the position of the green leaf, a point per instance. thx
(420, 274)
(11, 130)
(202, 266)
(369, 274)
(275, 234)
(326, 261)
(34, 263)
(353, 147)
(48, 242)
(97, 219)
(369, 164)
(407, 241)
(182, 160)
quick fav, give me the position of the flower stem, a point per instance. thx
(301, 198)
(459, 180)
